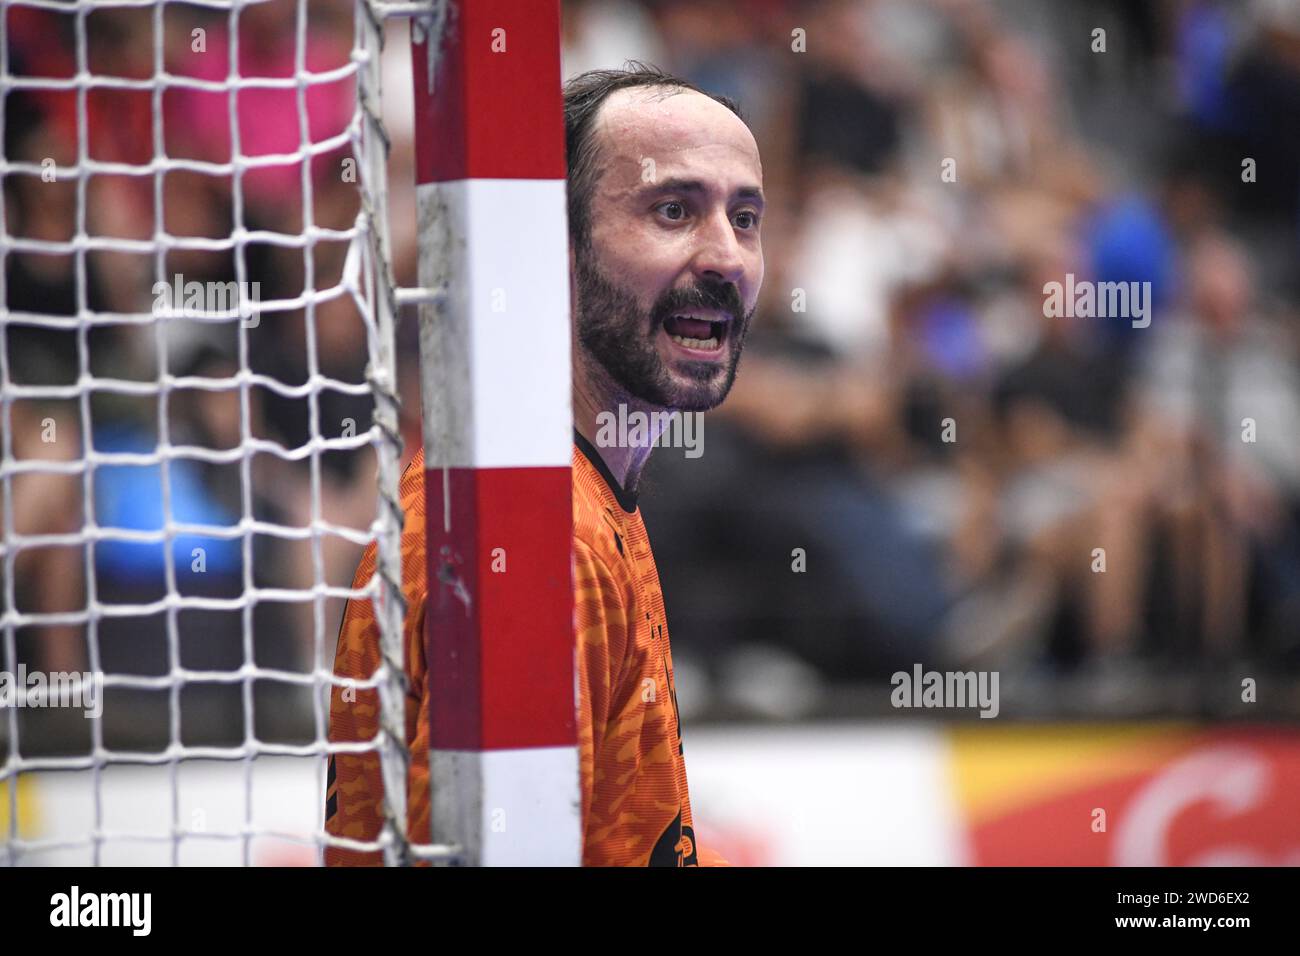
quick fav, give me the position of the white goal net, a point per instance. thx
(199, 424)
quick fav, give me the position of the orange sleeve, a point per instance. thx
(355, 786)
(601, 625)
(419, 827)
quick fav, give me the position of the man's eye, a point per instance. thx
(747, 220)
(673, 210)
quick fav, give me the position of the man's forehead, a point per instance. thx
(658, 123)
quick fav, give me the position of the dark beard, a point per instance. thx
(620, 337)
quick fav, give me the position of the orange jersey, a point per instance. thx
(354, 788)
(635, 805)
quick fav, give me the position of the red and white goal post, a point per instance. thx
(497, 432)
(493, 298)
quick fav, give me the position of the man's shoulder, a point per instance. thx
(411, 489)
(411, 496)
(598, 525)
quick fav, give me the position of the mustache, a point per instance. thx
(702, 295)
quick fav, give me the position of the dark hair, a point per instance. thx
(583, 96)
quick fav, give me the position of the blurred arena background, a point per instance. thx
(922, 300)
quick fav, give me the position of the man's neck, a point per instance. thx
(590, 401)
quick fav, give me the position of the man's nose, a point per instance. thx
(719, 255)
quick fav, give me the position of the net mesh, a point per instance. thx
(194, 411)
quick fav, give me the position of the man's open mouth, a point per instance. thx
(698, 331)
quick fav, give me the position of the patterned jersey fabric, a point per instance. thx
(636, 809)
(354, 789)
(635, 806)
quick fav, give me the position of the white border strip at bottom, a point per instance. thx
(509, 807)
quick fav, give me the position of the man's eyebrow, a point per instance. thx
(676, 184)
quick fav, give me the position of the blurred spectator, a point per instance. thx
(929, 165)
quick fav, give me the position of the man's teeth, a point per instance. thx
(707, 345)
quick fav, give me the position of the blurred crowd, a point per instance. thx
(1077, 502)
(917, 464)
(172, 218)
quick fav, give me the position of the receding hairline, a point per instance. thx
(601, 122)
(659, 93)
